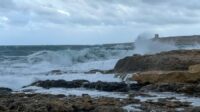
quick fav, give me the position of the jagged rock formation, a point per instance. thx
(167, 61)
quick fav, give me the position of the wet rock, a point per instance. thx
(60, 83)
(99, 85)
(109, 109)
(192, 109)
(3, 108)
(163, 105)
(190, 89)
(139, 93)
(167, 61)
(136, 87)
(172, 104)
(164, 87)
(55, 72)
(107, 86)
(5, 90)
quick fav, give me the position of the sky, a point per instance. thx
(54, 22)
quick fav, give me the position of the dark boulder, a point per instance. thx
(107, 86)
(59, 83)
(99, 85)
(4, 90)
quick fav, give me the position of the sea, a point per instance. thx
(22, 65)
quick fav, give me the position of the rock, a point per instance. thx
(51, 103)
(3, 108)
(172, 104)
(136, 86)
(55, 72)
(194, 68)
(5, 90)
(192, 109)
(190, 89)
(109, 109)
(21, 102)
(59, 83)
(163, 87)
(167, 61)
(99, 85)
(107, 86)
(154, 77)
(163, 105)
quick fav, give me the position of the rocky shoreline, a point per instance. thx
(174, 72)
(21, 102)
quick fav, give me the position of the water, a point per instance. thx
(22, 65)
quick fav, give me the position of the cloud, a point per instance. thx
(102, 17)
(6, 5)
(112, 12)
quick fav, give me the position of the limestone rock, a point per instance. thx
(154, 77)
(167, 61)
(194, 68)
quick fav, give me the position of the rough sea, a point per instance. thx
(23, 65)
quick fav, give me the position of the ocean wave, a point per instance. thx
(70, 57)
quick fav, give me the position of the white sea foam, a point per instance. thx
(101, 65)
(132, 108)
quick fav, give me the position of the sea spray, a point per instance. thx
(145, 44)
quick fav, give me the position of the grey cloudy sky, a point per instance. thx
(94, 21)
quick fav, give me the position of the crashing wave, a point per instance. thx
(70, 57)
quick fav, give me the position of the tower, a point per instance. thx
(156, 36)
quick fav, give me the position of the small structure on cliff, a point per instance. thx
(179, 41)
(156, 36)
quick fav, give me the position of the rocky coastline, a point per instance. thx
(177, 72)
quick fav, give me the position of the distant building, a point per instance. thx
(156, 36)
(179, 40)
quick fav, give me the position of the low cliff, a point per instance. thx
(171, 60)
